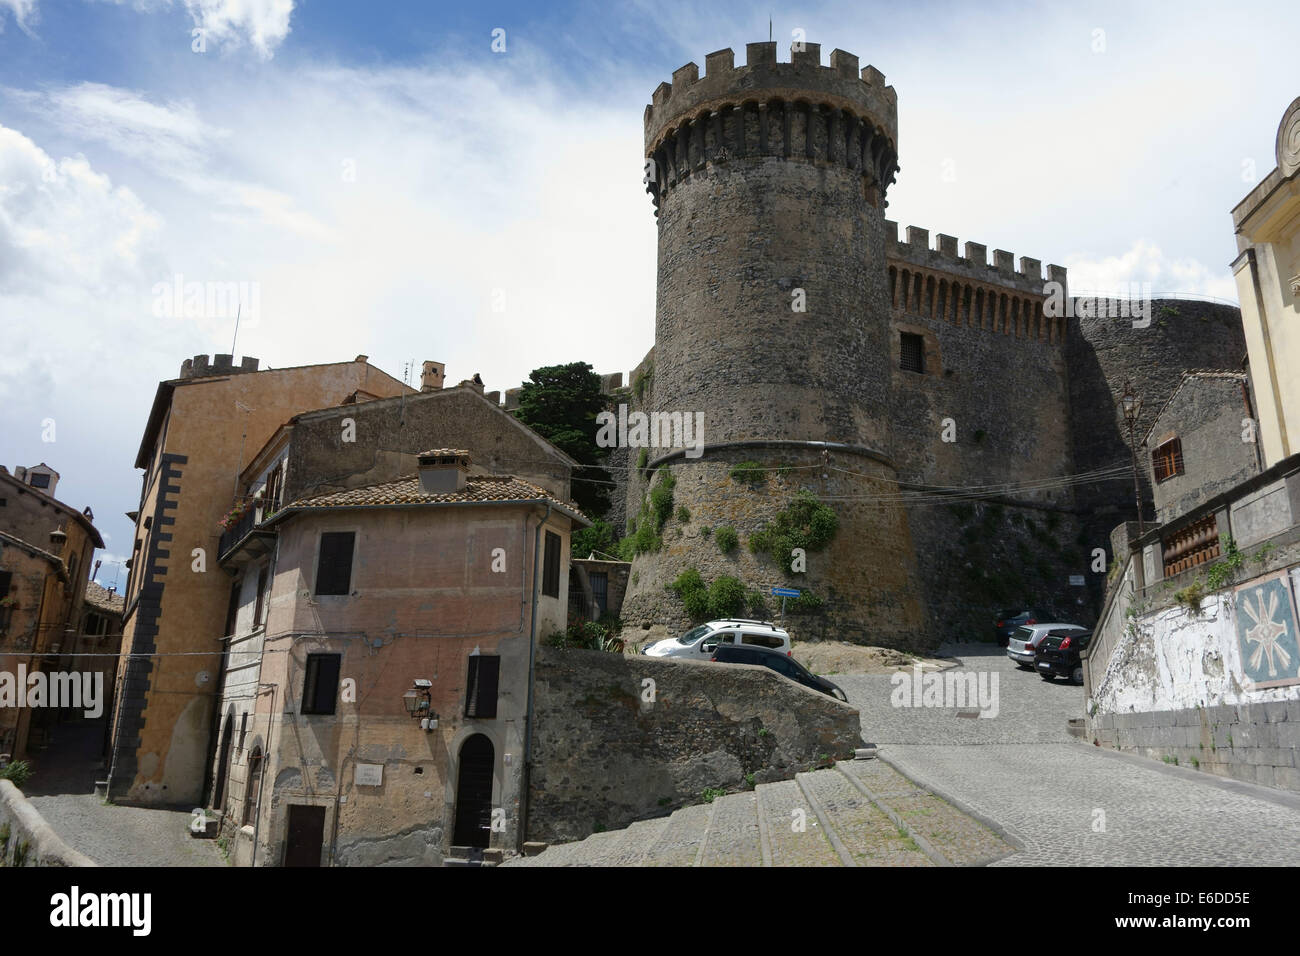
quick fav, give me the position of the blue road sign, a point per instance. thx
(785, 592)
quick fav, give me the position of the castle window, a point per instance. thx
(911, 353)
(1167, 459)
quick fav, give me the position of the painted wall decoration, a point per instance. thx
(1266, 631)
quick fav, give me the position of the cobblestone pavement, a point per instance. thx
(62, 791)
(126, 836)
(1053, 794)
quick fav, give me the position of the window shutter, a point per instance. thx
(551, 572)
(334, 572)
(481, 688)
(321, 687)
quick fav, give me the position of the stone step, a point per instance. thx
(733, 836)
(679, 843)
(946, 833)
(865, 832)
(630, 846)
(793, 833)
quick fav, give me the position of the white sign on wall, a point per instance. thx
(370, 775)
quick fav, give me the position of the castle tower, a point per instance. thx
(772, 321)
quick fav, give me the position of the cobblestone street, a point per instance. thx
(1049, 793)
(62, 791)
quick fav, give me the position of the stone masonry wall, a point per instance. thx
(603, 756)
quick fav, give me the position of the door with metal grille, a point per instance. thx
(474, 793)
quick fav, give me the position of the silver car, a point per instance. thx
(1024, 640)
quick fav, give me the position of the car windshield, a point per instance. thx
(693, 635)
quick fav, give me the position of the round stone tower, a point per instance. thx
(772, 328)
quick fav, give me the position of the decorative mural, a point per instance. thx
(1266, 631)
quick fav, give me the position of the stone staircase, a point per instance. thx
(858, 813)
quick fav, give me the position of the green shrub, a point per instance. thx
(17, 772)
(727, 539)
(706, 530)
(804, 603)
(709, 794)
(642, 381)
(689, 586)
(661, 500)
(748, 472)
(642, 458)
(683, 514)
(590, 636)
(598, 537)
(756, 603)
(726, 597)
(806, 523)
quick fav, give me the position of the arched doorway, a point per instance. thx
(474, 793)
(223, 765)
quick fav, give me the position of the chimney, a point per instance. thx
(431, 380)
(443, 471)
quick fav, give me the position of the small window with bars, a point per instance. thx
(911, 352)
(1167, 460)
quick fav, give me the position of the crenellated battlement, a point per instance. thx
(971, 260)
(221, 364)
(800, 110)
(965, 289)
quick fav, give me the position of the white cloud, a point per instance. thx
(1142, 265)
(170, 139)
(265, 23)
(64, 225)
(22, 11)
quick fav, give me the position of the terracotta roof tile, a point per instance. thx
(406, 491)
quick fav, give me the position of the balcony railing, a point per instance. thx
(248, 527)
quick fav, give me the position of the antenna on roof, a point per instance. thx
(769, 29)
(236, 336)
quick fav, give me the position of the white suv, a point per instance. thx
(699, 643)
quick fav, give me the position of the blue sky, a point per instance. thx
(383, 177)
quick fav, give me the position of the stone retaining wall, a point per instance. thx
(26, 839)
(1258, 743)
(605, 756)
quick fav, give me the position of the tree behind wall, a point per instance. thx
(560, 403)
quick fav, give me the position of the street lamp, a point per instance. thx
(1132, 405)
(418, 702)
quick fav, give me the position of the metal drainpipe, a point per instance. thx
(261, 786)
(532, 657)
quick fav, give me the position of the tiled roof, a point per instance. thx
(406, 491)
(105, 599)
(443, 452)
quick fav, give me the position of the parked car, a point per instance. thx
(1057, 655)
(1013, 617)
(781, 663)
(1024, 640)
(699, 642)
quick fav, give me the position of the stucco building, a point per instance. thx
(356, 617)
(1267, 227)
(46, 548)
(202, 428)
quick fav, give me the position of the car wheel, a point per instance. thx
(1050, 678)
(1023, 666)
(1077, 676)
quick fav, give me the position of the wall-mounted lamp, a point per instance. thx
(418, 702)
